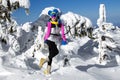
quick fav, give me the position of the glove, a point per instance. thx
(63, 42)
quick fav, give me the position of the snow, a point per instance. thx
(102, 15)
(85, 69)
(4, 3)
(23, 3)
(17, 61)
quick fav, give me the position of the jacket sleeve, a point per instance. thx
(62, 32)
(47, 31)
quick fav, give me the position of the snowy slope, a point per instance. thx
(81, 66)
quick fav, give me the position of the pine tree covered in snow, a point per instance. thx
(77, 25)
(8, 26)
(107, 45)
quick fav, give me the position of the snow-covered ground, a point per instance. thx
(83, 66)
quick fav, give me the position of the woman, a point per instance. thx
(54, 32)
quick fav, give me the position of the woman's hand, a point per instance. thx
(63, 42)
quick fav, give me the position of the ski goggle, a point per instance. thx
(53, 13)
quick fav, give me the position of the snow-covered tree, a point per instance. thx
(8, 25)
(106, 43)
(106, 46)
(77, 25)
(102, 15)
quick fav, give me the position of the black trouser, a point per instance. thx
(53, 51)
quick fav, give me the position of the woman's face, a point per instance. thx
(54, 17)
